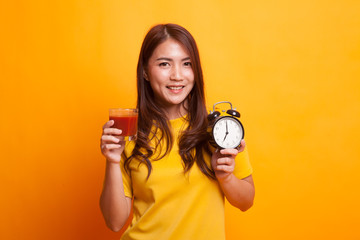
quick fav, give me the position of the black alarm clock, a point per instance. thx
(225, 131)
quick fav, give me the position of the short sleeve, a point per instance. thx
(243, 167)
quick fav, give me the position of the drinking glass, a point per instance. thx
(126, 120)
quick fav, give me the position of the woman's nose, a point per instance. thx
(176, 73)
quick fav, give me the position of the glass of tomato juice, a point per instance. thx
(125, 119)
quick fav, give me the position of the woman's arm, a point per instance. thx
(239, 192)
(115, 206)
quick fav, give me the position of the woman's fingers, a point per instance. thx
(225, 168)
(111, 143)
(242, 146)
(109, 138)
(229, 151)
(225, 161)
(110, 146)
(108, 124)
(112, 131)
(108, 130)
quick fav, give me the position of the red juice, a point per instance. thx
(128, 124)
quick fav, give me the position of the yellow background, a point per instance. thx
(292, 68)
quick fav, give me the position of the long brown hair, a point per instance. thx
(193, 142)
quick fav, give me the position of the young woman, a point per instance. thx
(176, 180)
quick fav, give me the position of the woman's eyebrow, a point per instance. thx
(170, 59)
(163, 58)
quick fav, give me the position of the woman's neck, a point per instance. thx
(176, 114)
(175, 111)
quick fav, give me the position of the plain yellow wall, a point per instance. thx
(292, 68)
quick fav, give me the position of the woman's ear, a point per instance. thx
(146, 76)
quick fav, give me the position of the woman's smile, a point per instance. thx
(175, 89)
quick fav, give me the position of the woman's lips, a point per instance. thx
(175, 89)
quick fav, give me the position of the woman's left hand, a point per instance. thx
(223, 161)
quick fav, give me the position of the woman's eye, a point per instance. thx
(187, 63)
(164, 64)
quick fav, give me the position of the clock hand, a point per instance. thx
(226, 133)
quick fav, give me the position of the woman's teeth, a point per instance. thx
(175, 88)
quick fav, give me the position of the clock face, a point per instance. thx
(228, 132)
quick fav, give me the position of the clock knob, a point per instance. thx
(233, 113)
(213, 115)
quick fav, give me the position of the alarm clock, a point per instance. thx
(226, 131)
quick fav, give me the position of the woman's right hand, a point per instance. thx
(112, 145)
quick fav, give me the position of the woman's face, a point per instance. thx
(170, 74)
